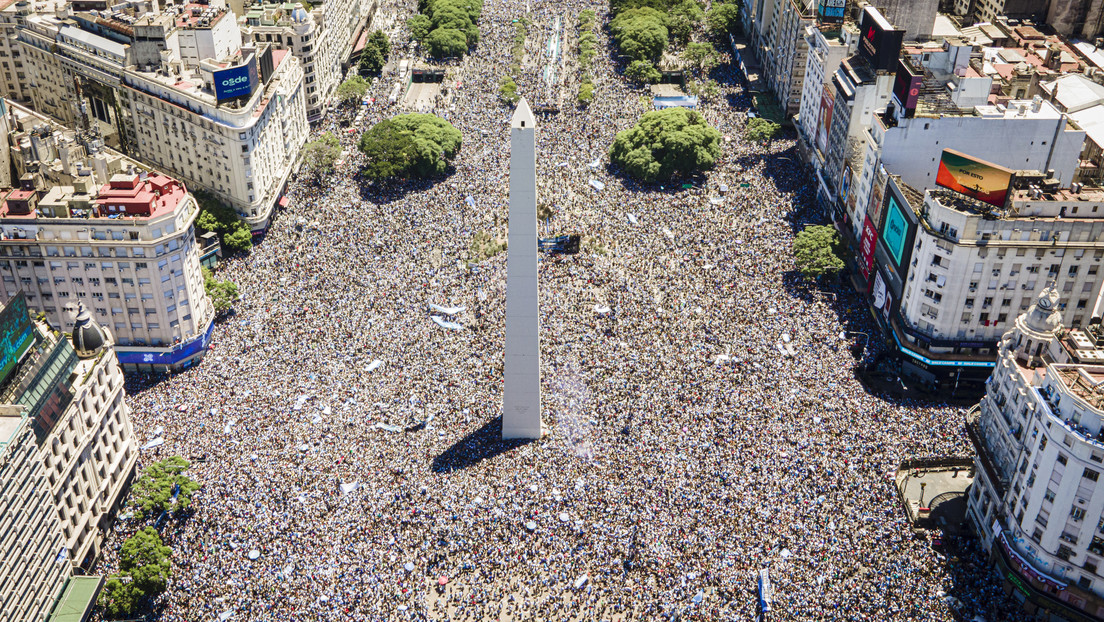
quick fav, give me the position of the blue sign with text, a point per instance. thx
(235, 82)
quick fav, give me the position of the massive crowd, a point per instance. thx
(350, 441)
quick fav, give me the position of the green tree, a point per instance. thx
(640, 34)
(816, 251)
(389, 150)
(380, 41)
(723, 19)
(216, 217)
(446, 43)
(147, 560)
(222, 293)
(371, 61)
(508, 91)
(418, 145)
(419, 27)
(119, 597)
(702, 56)
(665, 143)
(642, 71)
(153, 492)
(352, 91)
(759, 129)
(321, 154)
(586, 93)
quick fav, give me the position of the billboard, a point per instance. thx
(879, 41)
(845, 185)
(984, 181)
(906, 87)
(869, 241)
(17, 334)
(875, 207)
(883, 298)
(236, 81)
(832, 10)
(827, 102)
(896, 230)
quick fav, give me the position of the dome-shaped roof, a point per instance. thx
(88, 337)
(1043, 316)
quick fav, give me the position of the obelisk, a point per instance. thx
(521, 398)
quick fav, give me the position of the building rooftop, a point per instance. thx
(9, 425)
(77, 599)
(1084, 381)
(199, 16)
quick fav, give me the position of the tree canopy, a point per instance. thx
(419, 26)
(723, 19)
(453, 25)
(446, 42)
(508, 90)
(640, 33)
(642, 71)
(352, 91)
(154, 490)
(145, 566)
(665, 143)
(321, 154)
(759, 129)
(816, 251)
(219, 218)
(222, 293)
(409, 145)
(374, 55)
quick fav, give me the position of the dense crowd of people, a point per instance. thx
(350, 444)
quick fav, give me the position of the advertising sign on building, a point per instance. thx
(845, 185)
(906, 87)
(867, 244)
(827, 102)
(236, 81)
(879, 41)
(16, 334)
(832, 11)
(874, 210)
(898, 233)
(883, 299)
(984, 181)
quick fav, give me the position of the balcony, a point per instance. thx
(973, 430)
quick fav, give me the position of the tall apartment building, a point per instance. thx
(1023, 135)
(67, 453)
(785, 50)
(230, 124)
(1080, 19)
(321, 39)
(36, 564)
(1037, 500)
(828, 45)
(87, 223)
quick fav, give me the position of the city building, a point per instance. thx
(36, 565)
(991, 10)
(963, 269)
(321, 38)
(828, 45)
(83, 222)
(67, 454)
(1036, 502)
(785, 49)
(916, 17)
(1023, 135)
(178, 91)
(1081, 19)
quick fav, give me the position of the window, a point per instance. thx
(1049, 495)
(1064, 552)
(1061, 459)
(1091, 475)
(1077, 513)
(1084, 583)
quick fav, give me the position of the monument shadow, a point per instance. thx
(477, 446)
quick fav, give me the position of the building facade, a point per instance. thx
(828, 46)
(231, 125)
(785, 51)
(100, 228)
(1036, 502)
(320, 38)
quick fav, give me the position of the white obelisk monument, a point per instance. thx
(521, 399)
